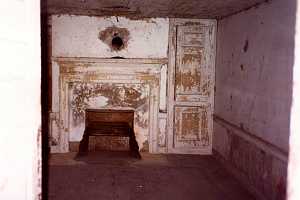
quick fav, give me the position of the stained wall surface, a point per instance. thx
(253, 94)
(204, 9)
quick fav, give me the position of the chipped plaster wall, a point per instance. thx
(253, 95)
(80, 36)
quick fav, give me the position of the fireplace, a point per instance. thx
(111, 123)
(89, 84)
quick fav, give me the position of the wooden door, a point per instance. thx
(191, 86)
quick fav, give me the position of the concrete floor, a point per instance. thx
(115, 175)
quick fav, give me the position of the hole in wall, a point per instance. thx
(242, 67)
(242, 126)
(117, 57)
(246, 45)
(117, 43)
(115, 37)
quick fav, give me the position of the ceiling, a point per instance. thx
(149, 8)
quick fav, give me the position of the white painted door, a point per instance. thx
(191, 86)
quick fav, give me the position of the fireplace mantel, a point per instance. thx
(130, 61)
(93, 83)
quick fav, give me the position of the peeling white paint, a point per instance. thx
(76, 130)
(106, 84)
(163, 88)
(97, 102)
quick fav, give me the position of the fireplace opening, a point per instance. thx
(108, 125)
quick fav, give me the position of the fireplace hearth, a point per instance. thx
(111, 123)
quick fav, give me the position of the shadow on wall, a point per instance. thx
(254, 83)
(45, 100)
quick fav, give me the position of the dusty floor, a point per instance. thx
(115, 175)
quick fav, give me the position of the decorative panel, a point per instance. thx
(191, 126)
(192, 72)
(162, 123)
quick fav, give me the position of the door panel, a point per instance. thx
(191, 127)
(192, 53)
(192, 72)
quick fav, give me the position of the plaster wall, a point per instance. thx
(78, 36)
(294, 151)
(20, 100)
(254, 71)
(253, 95)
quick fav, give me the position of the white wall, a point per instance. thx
(254, 87)
(294, 155)
(253, 95)
(77, 36)
(20, 99)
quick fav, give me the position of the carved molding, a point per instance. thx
(83, 79)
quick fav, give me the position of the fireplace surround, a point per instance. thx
(107, 84)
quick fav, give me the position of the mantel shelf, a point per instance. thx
(112, 60)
